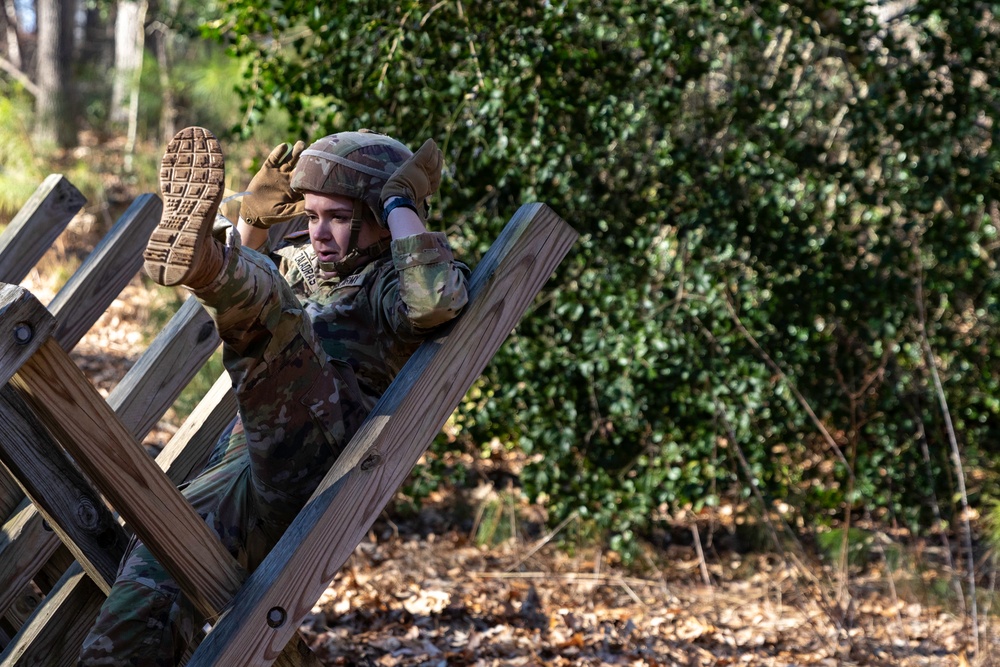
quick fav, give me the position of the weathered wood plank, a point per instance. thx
(36, 226)
(147, 390)
(34, 545)
(152, 385)
(180, 462)
(187, 452)
(54, 568)
(10, 495)
(66, 500)
(29, 235)
(52, 636)
(79, 303)
(290, 580)
(24, 326)
(96, 284)
(87, 427)
(111, 265)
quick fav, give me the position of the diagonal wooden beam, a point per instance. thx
(75, 601)
(39, 222)
(28, 236)
(105, 272)
(279, 594)
(87, 427)
(67, 501)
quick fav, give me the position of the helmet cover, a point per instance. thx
(350, 164)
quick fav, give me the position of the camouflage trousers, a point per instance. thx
(298, 408)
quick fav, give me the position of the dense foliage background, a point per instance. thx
(789, 213)
(784, 299)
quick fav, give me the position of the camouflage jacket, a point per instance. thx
(376, 318)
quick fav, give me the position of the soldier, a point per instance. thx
(308, 360)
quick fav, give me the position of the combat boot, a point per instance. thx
(181, 250)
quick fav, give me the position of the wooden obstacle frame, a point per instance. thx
(67, 453)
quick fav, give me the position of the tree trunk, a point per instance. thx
(55, 117)
(164, 43)
(129, 39)
(12, 43)
(133, 104)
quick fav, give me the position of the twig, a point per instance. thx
(573, 577)
(472, 49)
(935, 507)
(545, 540)
(772, 531)
(701, 555)
(430, 11)
(956, 457)
(630, 592)
(392, 49)
(798, 396)
(20, 77)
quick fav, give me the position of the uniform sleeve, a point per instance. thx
(426, 288)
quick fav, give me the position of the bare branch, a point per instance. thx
(19, 76)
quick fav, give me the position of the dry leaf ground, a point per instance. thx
(423, 593)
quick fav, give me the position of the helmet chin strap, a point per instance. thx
(355, 256)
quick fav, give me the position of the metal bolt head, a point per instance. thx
(23, 333)
(276, 617)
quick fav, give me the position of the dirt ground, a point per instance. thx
(421, 591)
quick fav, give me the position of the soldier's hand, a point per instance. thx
(271, 199)
(416, 179)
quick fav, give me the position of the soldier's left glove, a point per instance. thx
(271, 199)
(416, 179)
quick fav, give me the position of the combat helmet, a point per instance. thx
(355, 165)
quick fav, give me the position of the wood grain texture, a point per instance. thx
(86, 426)
(10, 494)
(26, 546)
(187, 452)
(389, 443)
(52, 636)
(39, 222)
(150, 387)
(24, 327)
(105, 272)
(71, 506)
(89, 292)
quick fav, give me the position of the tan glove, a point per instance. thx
(416, 179)
(271, 199)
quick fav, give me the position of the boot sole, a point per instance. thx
(192, 180)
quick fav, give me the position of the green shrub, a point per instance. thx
(759, 192)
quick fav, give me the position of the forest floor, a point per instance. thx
(423, 591)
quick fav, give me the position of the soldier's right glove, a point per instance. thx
(271, 199)
(416, 179)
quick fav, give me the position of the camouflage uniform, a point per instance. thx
(307, 371)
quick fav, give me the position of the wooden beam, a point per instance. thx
(52, 636)
(105, 272)
(36, 226)
(152, 385)
(23, 242)
(179, 539)
(87, 427)
(25, 325)
(279, 594)
(66, 500)
(96, 283)
(34, 545)
(186, 453)
(80, 302)
(180, 461)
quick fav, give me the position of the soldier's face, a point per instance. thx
(330, 226)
